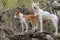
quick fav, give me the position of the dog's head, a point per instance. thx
(35, 6)
(16, 15)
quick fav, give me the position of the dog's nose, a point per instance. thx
(34, 7)
(14, 16)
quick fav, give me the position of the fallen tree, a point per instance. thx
(29, 35)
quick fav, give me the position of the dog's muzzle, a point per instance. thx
(14, 16)
(34, 7)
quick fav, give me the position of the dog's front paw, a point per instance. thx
(55, 34)
(26, 31)
(22, 33)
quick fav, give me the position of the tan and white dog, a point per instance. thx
(44, 15)
(24, 19)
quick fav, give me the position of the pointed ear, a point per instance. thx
(33, 2)
(17, 13)
(37, 3)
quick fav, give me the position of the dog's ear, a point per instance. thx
(37, 3)
(17, 13)
(33, 2)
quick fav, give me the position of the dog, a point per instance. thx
(26, 19)
(44, 15)
(22, 20)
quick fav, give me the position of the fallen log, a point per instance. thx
(38, 35)
(29, 35)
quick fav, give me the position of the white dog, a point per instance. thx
(44, 15)
(22, 21)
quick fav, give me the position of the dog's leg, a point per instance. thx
(22, 28)
(36, 24)
(33, 26)
(56, 27)
(41, 23)
(26, 27)
(55, 23)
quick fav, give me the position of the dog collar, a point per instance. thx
(37, 14)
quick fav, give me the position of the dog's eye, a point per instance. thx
(33, 5)
(17, 14)
(36, 5)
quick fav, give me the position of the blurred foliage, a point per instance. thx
(13, 3)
